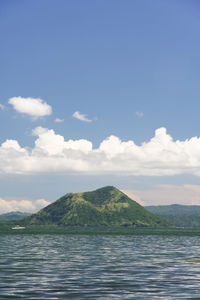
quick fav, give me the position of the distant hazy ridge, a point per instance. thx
(178, 215)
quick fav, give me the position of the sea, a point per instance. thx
(48, 266)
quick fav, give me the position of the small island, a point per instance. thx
(106, 206)
(106, 210)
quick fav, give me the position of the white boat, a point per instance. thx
(18, 227)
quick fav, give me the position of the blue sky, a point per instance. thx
(102, 68)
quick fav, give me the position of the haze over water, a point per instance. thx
(99, 267)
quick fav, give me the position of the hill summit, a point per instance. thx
(106, 206)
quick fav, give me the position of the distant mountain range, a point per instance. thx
(178, 215)
(15, 215)
(106, 206)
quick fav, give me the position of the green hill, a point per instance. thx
(178, 215)
(106, 206)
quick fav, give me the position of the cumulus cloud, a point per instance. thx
(54, 144)
(23, 205)
(2, 106)
(57, 120)
(167, 194)
(139, 114)
(160, 156)
(81, 117)
(34, 107)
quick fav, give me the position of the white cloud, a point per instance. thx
(81, 117)
(139, 114)
(52, 153)
(2, 106)
(34, 107)
(168, 194)
(23, 205)
(57, 120)
(54, 144)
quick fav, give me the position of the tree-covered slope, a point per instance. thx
(104, 207)
(178, 215)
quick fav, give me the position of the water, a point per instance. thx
(99, 267)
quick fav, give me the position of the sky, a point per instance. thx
(96, 93)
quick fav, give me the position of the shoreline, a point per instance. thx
(42, 229)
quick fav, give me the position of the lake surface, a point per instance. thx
(99, 267)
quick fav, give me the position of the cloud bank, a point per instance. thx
(81, 117)
(22, 205)
(34, 107)
(52, 153)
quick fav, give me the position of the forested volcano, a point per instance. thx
(106, 206)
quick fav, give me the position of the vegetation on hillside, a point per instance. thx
(187, 216)
(104, 207)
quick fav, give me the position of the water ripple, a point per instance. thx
(99, 267)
